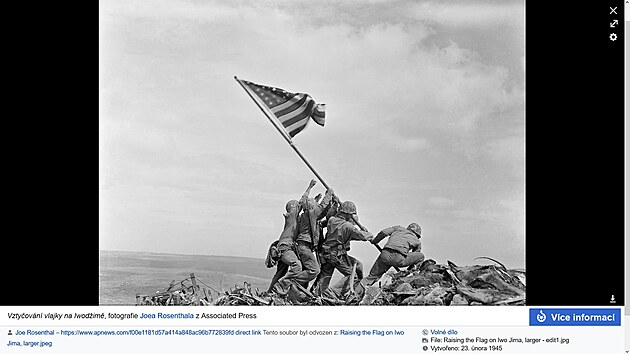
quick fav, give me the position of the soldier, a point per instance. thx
(321, 224)
(309, 235)
(289, 261)
(281, 270)
(402, 250)
(340, 231)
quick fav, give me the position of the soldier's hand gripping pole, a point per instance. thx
(375, 245)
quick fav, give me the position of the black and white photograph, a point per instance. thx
(335, 153)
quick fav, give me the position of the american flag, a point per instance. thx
(292, 110)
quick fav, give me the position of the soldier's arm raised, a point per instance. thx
(308, 189)
(304, 199)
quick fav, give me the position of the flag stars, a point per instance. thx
(273, 97)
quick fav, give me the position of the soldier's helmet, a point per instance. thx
(415, 228)
(348, 207)
(291, 204)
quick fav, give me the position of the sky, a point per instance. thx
(425, 122)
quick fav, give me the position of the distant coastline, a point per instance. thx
(178, 254)
(123, 274)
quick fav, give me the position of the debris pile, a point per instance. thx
(243, 296)
(429, 284)
(434, 284)
(184, 292)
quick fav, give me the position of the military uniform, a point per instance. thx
(308, 237)
(334, 253)
(289, 265)
(402, 250)
(287, 246)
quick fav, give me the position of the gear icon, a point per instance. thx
(613, 36)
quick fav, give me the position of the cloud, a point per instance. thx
(413, 144)
(469, 13)
(441, 202)
(383, 67)
(507, 210)
(177, 10)
(509, 151)
(392, 82)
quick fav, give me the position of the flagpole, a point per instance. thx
(309, 165)
(288, 139)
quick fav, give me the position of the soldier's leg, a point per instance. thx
(359, 269)
(380, 267)
(295, 267)
(323, 279)
(344, 267)
(310, 266)
(412, 259)
(281, 270)
(293, 262)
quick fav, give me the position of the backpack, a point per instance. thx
(273, 255)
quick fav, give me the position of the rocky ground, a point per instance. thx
(430, 284)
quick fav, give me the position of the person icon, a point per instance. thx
(10, 334)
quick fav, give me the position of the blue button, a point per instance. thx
(574, 317)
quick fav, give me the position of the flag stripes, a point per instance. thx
(292, 110)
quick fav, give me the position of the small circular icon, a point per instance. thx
(541, 317)
(425, 331)
(613, 36)
(425, 348)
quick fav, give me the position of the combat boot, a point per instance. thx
(282, 287)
